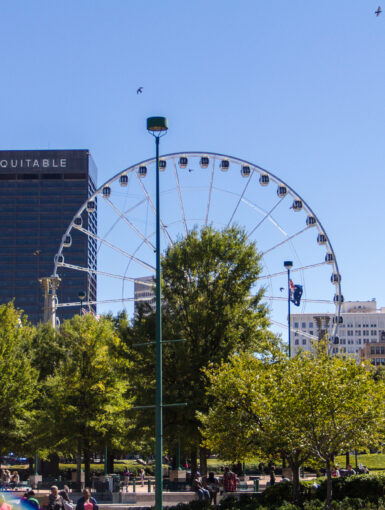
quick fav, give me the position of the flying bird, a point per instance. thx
(37, 252)
(140, 90)
(282, 288)
(378, 11)
(190, 169)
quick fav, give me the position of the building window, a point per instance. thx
(350, 333)
(311, 325)
(296, 325)
(372, 350)
(296, 341)
(373, 332)
(304, 325)
(303, 341)
(311, 332)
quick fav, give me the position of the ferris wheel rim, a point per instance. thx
(216, 156)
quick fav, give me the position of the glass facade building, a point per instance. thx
(40, 192)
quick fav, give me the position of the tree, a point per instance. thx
(341, 405)
(85, 400)
(211, 300)
(18, 378)
(253, 414)
(310, 405)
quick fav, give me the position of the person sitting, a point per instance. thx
(212, 485)
(15, 479)
(350, 471)
(335, 472)
(197, 486)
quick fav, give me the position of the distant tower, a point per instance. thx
(50, 285)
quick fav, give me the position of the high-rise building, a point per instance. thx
(144, 292)
(360, 324)
(40, 192)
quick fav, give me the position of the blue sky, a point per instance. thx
(295, 87)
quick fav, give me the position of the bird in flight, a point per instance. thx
(37, 252)
(139, 90)
(190, 170)
(282, 288)
(378, 11)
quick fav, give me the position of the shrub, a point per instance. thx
(368, 487)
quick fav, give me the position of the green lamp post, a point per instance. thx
(158, 126)
(288, 264)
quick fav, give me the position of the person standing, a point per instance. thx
(86, 502)
(229, 480)
(3, 504)
(55, 501)
(142, 473)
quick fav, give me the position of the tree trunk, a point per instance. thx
(203, 460)
(79, 465)
(194, 463)
(87, 464)
(347, 455)
(296, 483)
(329, 486)
(110, 461)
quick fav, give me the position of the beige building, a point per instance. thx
(374, 351)
(361, 325)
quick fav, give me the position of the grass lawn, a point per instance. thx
(373, 461)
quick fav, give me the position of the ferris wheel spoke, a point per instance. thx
(267, 215)
(99, 302)
(240, 199)
(285, 326)
(285, 241)
(280, 273)
(101, 273)
(162, 226)
(116, 248)
(210, 191)
(254, 207)
(128, 222)
(303, 300)
(180, 198)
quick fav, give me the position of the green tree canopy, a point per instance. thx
(310, 405)
(18, 378)
(85, 400)
(212, 300)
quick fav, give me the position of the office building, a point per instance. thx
(361, 324)
(144, 293)
(40, 192)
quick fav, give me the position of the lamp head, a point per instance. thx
(288, 264)
(157, 126)
(82, 295)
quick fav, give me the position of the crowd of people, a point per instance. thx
(8, 479)
(207, 487)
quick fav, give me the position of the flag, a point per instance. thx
(295, 293)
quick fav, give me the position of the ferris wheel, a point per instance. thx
(198, 189)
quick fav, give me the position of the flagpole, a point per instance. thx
(288, 264)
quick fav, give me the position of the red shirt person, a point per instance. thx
(229, 481)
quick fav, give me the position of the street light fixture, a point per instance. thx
(288, 264)
(157, 127)
(82, 297)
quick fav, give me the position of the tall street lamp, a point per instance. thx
(82, 297)
(288, 264)
(158, 126)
